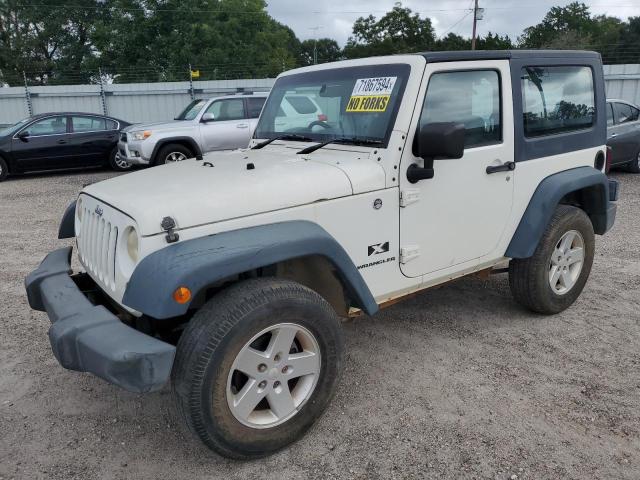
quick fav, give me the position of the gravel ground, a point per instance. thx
(458, 381)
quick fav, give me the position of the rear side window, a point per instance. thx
(468, 97)
(609, 114)
(87, 124)
(557, 99)
(625, 113)
(301, 104)
(111, 124)
(255, 106)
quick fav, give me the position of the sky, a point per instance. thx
(334, 18)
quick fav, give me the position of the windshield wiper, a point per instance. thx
(287, 136)
(353, 141)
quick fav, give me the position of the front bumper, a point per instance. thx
(126, 150)
(89, 338)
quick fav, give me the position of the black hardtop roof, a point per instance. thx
(461, 55)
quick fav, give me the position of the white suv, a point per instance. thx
(228, 275)
(205, 125)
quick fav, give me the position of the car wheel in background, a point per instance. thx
(4, 169)
(172, 153)
(117, 163)
(552, 279)
(634, 165)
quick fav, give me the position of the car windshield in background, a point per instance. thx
(9, 130)
(341, 103)
(192, 110)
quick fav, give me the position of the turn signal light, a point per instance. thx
(182, 295)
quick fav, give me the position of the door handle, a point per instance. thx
(505, 167)
(242, 125)
(613, 135)
(62, 142)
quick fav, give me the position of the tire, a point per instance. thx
(172, 152)
(4, 169)
(205, 379)
(531, 278)
(116, 164)
(634, 165)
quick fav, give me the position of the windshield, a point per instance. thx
(353, 102)
(192, 110)
(9, 130)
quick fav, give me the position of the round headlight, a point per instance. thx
(79, 208)
(132, 244)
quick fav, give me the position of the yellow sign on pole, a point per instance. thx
(195, 73)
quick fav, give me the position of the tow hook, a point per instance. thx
(168, 224)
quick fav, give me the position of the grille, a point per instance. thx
(97, 246)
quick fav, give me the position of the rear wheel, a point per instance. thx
(634, 165)
(117, 163)
(172, 153)
(4, 169)
(256, 366)
(553, 278)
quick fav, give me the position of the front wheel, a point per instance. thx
(172, 153)
(256, 366)
(4, 169)
(553, 278)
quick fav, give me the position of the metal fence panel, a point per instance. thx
(152, 102)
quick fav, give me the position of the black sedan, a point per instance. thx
(53, 141)
(623, 134)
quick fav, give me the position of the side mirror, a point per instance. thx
(436, 140)
(23, 135)
(208, 117)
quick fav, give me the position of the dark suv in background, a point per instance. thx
(52, 141)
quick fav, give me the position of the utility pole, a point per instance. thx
(475, 21)
(315, 43)
(102, 93)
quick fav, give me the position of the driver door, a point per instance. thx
(229, 128)
(456, 219)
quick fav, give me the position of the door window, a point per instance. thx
(557, 99)
(254, 105)
(230, 109)
(625, 113)
(47, 126)
(87, 124)
(468, 97)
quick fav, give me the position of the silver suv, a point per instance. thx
(205, 125)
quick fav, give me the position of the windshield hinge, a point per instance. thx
(168, 224)
(408, 253)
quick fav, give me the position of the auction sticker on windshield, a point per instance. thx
(371, 94)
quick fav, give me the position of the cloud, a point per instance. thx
(507, 17)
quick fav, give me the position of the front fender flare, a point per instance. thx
(545, 200)
(200, 262)
(197, 151)
(67, 227)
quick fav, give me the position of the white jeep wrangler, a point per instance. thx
(228, 275)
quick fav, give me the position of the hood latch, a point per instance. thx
(168, 224)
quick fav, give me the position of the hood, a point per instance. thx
(168, 125)
(195, 194)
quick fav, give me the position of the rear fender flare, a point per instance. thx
(548, 196)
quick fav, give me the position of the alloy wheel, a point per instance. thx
(566, 262)
(273, 375)
(175, 157)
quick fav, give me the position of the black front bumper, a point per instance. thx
(89, 338)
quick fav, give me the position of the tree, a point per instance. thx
(398, 31)
(50, 43)
(327, 50)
